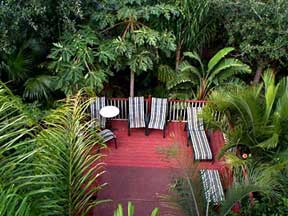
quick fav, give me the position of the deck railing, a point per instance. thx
(176, 108)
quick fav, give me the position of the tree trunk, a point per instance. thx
(258, 74)
(132, 78)
(178, 55)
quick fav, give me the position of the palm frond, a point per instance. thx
(12, 203)
(38, 88)
(66, 158)
(165, 73)
(235, 194)
(270, 92)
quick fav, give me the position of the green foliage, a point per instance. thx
(194, 27)
(13, 204)
(130, 209)
(38, 88)
(55, 174)
(257, 180)
(265, 207)
(16, 66)
(74, 62)
(203, 78)
(135, 42)
(258, 28)
(68, 161)
(254, 120)
(257, 121)
(42, 20)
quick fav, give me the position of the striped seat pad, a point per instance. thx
(212, 186)
(158, 113)
(106, 135)
(195, 122)
(200, 145)
(136, 112)
(95, 107)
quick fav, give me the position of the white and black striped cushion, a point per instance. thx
(158, 113)
(195, 121)
(200, 145)
(95, 107)
(212, 186)
(136, 112)
(106, 135)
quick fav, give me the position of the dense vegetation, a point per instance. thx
(231, 52)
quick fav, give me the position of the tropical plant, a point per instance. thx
(69, 160)
(135, 43)
(39, 88)
(254, 119)
(41, 20)
(74, 63)
(58, 172)
(193, 26)
(130, 210)
(13, 204)
(202, 78)
(16, 66)
(257, 114)
(17, 149)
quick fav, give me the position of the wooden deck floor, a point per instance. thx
(139, 150)
(138, 172)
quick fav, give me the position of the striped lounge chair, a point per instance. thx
(136, 117)
(212, 186)
(158, 115)
(108, 135)
(95, 107)
(197, 135)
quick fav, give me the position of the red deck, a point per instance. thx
(139, 150)
(138, 172)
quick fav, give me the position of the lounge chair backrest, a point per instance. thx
(136, 112)
(195, 122)
(200, 144)
(95, 107)
(212, 186)
(158, 113)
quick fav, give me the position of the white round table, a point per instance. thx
(109, 111)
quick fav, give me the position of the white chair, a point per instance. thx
(197, 135)
(136, 116)
(158, 115)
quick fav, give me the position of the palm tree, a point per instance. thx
(254, 119)
(16, 156)
(257, 113)
(52, 169)
(194, 27)
(205, 77)
(69, 160)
